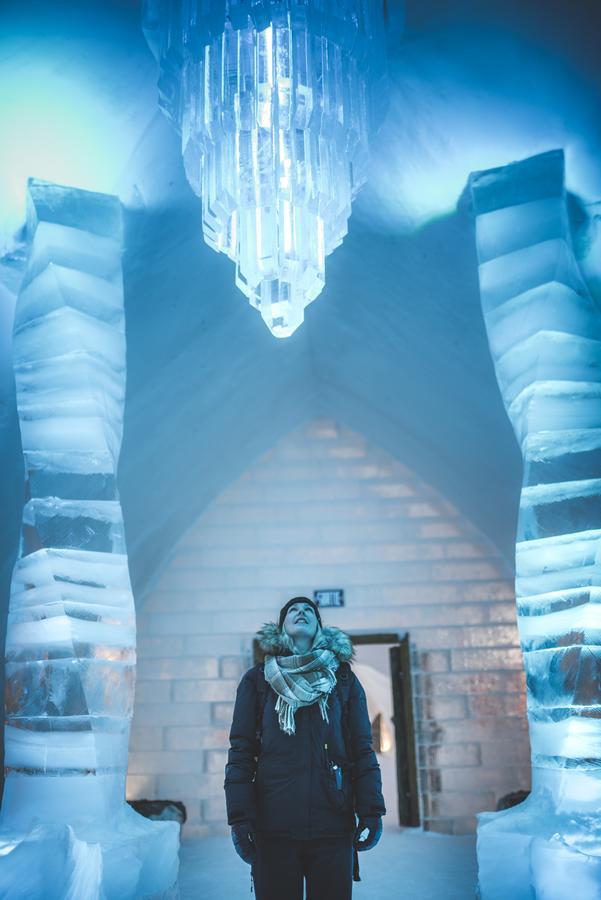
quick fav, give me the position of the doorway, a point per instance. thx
(404, 763)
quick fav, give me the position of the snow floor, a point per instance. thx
(407, 864)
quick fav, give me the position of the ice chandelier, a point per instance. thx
(275, 101)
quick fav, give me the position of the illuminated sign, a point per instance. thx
(330, 597)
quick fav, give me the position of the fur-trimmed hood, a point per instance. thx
(276, 642)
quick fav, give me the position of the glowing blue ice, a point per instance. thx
(65, 829)
(544, 331)
(275, 103)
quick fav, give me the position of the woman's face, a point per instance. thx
(301, 621)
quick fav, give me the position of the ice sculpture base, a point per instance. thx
(132, 857)
(524, 853)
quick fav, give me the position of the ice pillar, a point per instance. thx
(544, 331)
(65, 829)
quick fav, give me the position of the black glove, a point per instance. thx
(244, 841)
(374, 827)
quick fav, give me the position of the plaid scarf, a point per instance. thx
(302, 679)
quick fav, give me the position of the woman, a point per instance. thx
(300, 764)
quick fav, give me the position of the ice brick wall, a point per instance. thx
(326, 509)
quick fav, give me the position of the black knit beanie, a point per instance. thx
(294, 600)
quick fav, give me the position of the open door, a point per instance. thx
(406, 762)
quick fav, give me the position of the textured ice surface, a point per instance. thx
(544, 331)
(65, 829)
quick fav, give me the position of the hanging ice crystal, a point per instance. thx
(275, 101)
(65, 829)
(544, 331)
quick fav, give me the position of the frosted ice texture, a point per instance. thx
(544, 332)
(274, 101)
(65, 829)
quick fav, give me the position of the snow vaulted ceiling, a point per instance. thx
(394, 346)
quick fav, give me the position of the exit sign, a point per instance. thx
(330, 597)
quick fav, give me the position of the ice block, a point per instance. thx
(544, 332)
(65, 828)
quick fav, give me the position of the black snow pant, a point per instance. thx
(282, 866)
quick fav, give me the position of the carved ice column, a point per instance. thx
(65, 829)
(544, 331)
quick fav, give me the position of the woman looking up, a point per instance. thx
(301, 768)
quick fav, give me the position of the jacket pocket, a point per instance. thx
(339, 790)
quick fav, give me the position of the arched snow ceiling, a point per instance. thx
(395, 345)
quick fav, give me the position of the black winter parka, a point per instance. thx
(284, 784)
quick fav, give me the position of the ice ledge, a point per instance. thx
(133, 857)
